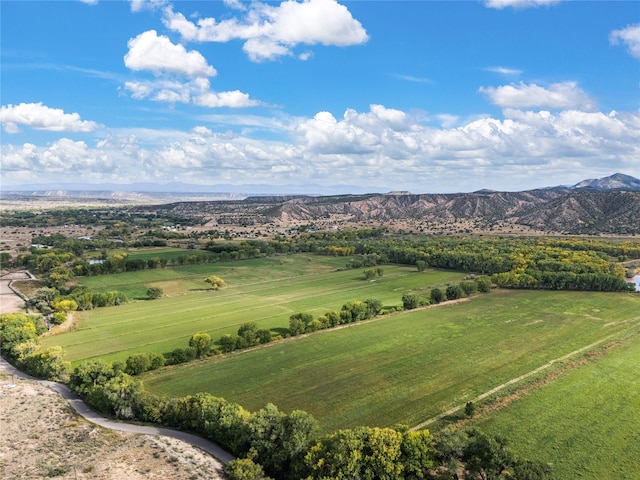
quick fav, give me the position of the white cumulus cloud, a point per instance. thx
(378, 147)
(272, 31)
(196, 91)
(630, 36)
(156, 53)
(41, 117)
(557, 96)
(140, 5)
(500, 4)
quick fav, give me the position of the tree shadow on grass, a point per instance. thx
(283, 332)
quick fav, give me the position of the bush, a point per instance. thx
(410, 301)
(154, 292)
(436, 295)
(484, 284)
(454, 292)
(58, 318)
(469, 287)
(179, 355)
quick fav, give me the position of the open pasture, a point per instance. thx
(586, 422)
(409, 367)
(266, 291)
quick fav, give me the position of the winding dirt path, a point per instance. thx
(83, 410)
(10, 300)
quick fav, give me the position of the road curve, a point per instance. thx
(83, 410)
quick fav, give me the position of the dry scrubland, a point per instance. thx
(42, 437)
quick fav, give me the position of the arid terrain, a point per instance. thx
(43, 437)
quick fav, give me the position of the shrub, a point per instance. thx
(454, 292)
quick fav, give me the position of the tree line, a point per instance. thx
(269, 443)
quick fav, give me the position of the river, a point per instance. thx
(636, 280)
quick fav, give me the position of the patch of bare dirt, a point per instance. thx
(42, 437)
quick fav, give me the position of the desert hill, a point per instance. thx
(603, 206)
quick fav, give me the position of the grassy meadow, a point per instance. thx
(586, 422)
(409, 367)
(405, 367)
(266, 291)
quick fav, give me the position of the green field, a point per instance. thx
(266, 291)
(409, 367)
(586, 423)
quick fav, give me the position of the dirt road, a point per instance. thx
(44, 436)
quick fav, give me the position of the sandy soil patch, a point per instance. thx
(44, 438)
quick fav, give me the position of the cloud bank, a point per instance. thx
(382, 146)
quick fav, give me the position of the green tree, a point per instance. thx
(421, 265)
(154, 292)
(486, 456)
(354, 311)
(410, 301)
(248, 333)
(264, 336)
(200, 343)
(48, 363)
(374, 307)
(65, 306)
(469, 287)
(244, 469)
(436, 296)
(454, 292)
(296, 326)
(469, 409)
(137, 363)
(361, 453)
(228, 342)
(484, 284)
(18, 328)
(59, 318)
(58, 277)
(418, 454)
(369, 273)
(123, 393)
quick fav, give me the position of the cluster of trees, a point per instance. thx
(20, 344)
(469, 286)
(352, 311)
(100, 216)
(202, 345)
(549, 263)
(562, 280)
(249, 335)
(288, 446)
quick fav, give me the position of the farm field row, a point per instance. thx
(265, 291)
(585, 423)
(408, 367)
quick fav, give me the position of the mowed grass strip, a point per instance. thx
(263, 291)
(408, 367)
(586, 422)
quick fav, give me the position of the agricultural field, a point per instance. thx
(585, 422)
(408, 367)
(266, 291)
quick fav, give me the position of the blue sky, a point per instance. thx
(320, 96)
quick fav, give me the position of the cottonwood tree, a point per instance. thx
(154, 292)
(200, 343)
(215, 282)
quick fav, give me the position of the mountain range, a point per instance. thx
(608, 205)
